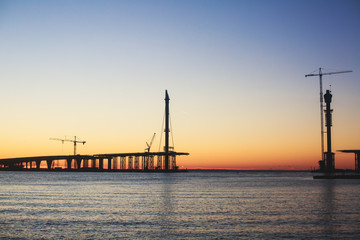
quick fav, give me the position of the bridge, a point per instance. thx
(140, 161)
(114, 161)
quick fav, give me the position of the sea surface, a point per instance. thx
(187, 205)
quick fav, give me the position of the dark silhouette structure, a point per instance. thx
(75, 141)
(320, 74)
(328, 164)
(141, 161)
(167, 130)
(357, 158)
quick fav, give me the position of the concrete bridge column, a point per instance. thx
(357, 162)
(144, 162)
(136, 163)
(49, 163)
(86, 163)
(130, 162)
(68, 162)
(78, 161)
(159, 162)
(38, 162)
(122, 163)
(173, 162)
(151, 162)
(109, 163)
(115, 162)
(93, 160)
(101, 163)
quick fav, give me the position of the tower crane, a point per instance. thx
(75, 141)
(150, 144)
(320, 74)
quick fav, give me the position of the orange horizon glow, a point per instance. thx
(342, 161)
(204, 153)
(234, 71)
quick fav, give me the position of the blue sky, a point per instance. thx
(234, 70)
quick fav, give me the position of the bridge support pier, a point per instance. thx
(136, 163)
(145, 162)
(49, 163)
(101, 163)
(130, 163)
(173, 162)
(115, 163)
(78, 162)
(68, 162)
(159, 162)
(151, 162)
(109, 163)
(38, 162)
(123, 163)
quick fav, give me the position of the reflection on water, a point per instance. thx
(166, 204)
(205, 205)
(328, 201)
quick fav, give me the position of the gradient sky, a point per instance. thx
(234, 71)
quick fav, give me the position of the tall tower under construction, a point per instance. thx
(167, 130)
(329, 157)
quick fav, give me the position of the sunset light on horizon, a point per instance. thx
(235, 73)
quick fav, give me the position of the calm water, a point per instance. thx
(193, 205)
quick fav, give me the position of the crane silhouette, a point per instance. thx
(150, 144)
(320, 74)
(75, 141)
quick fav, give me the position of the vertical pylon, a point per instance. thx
(167, 130)
(329, 155)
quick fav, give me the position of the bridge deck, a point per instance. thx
(96, 160)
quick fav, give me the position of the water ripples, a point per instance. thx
(193, 205)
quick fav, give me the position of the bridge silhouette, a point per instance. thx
(140, 161)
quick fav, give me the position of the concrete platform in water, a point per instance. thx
(337, 176)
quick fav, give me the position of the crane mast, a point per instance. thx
(320, 74)
(150, 144)
(75, 141)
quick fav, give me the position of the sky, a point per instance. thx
(234, 70)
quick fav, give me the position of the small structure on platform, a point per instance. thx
(357, 158)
